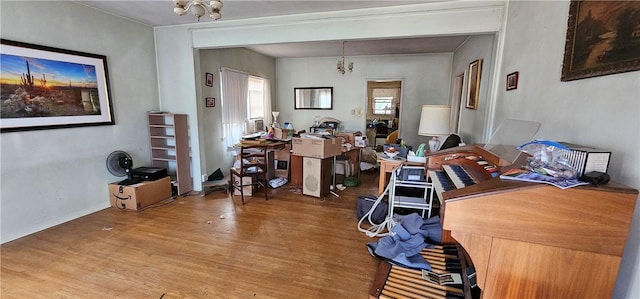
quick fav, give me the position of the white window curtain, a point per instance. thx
(234, 104)
(267, 102)
(388, 107)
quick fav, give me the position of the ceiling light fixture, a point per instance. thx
(198, 8)
(341, 67)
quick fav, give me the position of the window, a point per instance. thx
(255, 98)
(245, 101)
(383, 105)
(384, 98)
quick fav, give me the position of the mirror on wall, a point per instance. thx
(313, 97)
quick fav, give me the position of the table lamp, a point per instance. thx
(275, 118)
(434, 122)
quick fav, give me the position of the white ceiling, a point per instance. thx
(160, 13)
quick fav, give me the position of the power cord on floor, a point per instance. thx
(377, 230)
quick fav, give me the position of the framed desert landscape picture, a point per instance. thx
(46, 88)
(603, 38)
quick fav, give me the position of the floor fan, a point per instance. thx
(120, 163)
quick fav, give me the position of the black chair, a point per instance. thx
(253, 165)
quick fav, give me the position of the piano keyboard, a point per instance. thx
(458, 176)
(451, 177)
(441, 182)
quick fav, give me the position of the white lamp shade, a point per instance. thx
(434, 120)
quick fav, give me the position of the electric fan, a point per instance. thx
(119, 163)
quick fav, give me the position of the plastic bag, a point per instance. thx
(548, 158)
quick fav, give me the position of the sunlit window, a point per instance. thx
(383, 105)
(255, 98)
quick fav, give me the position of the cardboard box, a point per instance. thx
(349, 136)
(247, 190)
(316, 148)
(361, 141)
(138, 196)
(280, 133)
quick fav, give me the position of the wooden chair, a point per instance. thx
(253, 165)
(392, 138)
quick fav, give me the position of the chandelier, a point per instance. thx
(198, 8)
(341, 67)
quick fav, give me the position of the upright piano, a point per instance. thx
(530, 240)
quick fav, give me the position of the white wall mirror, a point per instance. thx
(313, 98)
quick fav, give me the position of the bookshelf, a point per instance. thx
(169, 137)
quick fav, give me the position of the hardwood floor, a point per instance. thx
(291, 246)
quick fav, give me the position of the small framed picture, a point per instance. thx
(210, 102)
(512, 81)
(209, 79)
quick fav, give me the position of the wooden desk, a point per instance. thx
(387, 166)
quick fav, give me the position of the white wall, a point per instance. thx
(425, 79)
(52, 176)
(601, 112)
(472, 121)
(215, 150)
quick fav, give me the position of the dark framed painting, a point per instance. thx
(512, 81)
(603, 38)
(209, 79)
(210, 102)
(47, 88)
(473, 84)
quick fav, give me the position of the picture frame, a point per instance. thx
(209, 80)
(512, 81)
(210, 102)
(50, 88)
(601, 39)
(473, 84)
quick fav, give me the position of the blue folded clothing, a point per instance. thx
(406, 241)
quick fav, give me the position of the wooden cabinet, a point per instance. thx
(170, 147)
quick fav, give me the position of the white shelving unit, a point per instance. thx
(170, 147)
(411, 177)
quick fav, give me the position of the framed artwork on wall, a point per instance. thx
(603, 38)
(473, 84)
(209, 79)
(210, 102)
(49, 88)
(512, 81)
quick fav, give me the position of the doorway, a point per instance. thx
(383, 110)
(456, 102)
